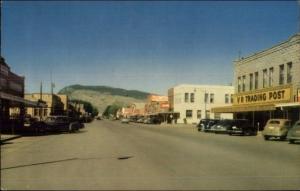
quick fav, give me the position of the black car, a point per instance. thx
(62, 124)
(33, 125)
(242, 127)
(206, 124)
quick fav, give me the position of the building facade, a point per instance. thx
(156, 104)
(194, 102)
(267, 84)
(54, 105)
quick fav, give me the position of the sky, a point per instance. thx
(138, 45)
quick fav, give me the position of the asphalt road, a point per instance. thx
(113, 156)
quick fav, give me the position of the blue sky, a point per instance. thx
(142, 45)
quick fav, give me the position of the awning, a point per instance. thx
(290, 105)
(27, 103)
(243, 108)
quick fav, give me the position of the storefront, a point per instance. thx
(267, 84)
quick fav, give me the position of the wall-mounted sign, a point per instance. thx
(269, 96)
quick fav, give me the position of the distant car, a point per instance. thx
(242, 127)
(62, 124)
(140, 120)
(206, 124)
(98, 118)
(276, 128)
(294, 133)
(125, 120)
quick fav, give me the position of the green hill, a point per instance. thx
(102, 96)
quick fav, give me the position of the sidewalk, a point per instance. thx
(5, 137)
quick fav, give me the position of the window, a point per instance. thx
(192, 97)
(207, 114)
(206, 98)
(239, 84)
(231, 98)
(198, 114)
(271, 70)
(226, 98)
(212, 98)
(244, 83)
(186, 97)
(189, 113)
(45, 112)
(281, 74)
(289, 73)
(255, 80)
(265, 75)
(251, 82)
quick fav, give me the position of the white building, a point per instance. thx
(194, 102)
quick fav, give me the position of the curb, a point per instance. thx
(10, 138)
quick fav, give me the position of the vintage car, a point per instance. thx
(242, 127)
(62, 124)
(276, 128)
(294, 133)
(206, 124)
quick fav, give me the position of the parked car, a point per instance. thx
(140, 120)
(125, 120)
(277, 128)
(294, 133)
(206, 124)
(33, 125)
(62, 124)
(98, 118)
(242, 127)
(222, 126)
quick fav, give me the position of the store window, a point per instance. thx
(231, 98)
(281, 74)
(217, 115)
(289, 73)
(198, 114)
(265, 75)
(271, 71)
(244, 83)
(251, 82)
(189, 113)
(255, 80)
(192, 97)
(239, 84)
(226, 98)
(186, 97)
(212, 99)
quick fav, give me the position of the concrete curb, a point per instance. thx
(8, 138)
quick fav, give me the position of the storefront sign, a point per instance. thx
(269, 96)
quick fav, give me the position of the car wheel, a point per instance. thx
(266, 138)
(292, 141)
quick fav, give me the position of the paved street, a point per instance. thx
(110, 155)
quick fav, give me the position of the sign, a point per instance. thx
(273, 95)
(164, 105)
(157, 98)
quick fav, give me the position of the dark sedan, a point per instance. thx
(206, 124)
(242, 127)
(62, 124)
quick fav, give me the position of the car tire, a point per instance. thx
(266, 138)
(282, 138)
(291, 141)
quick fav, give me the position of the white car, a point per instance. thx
(125, 120)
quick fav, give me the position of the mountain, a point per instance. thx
(102, 96)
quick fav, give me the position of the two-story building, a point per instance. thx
(267, 84)
(194, 102)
